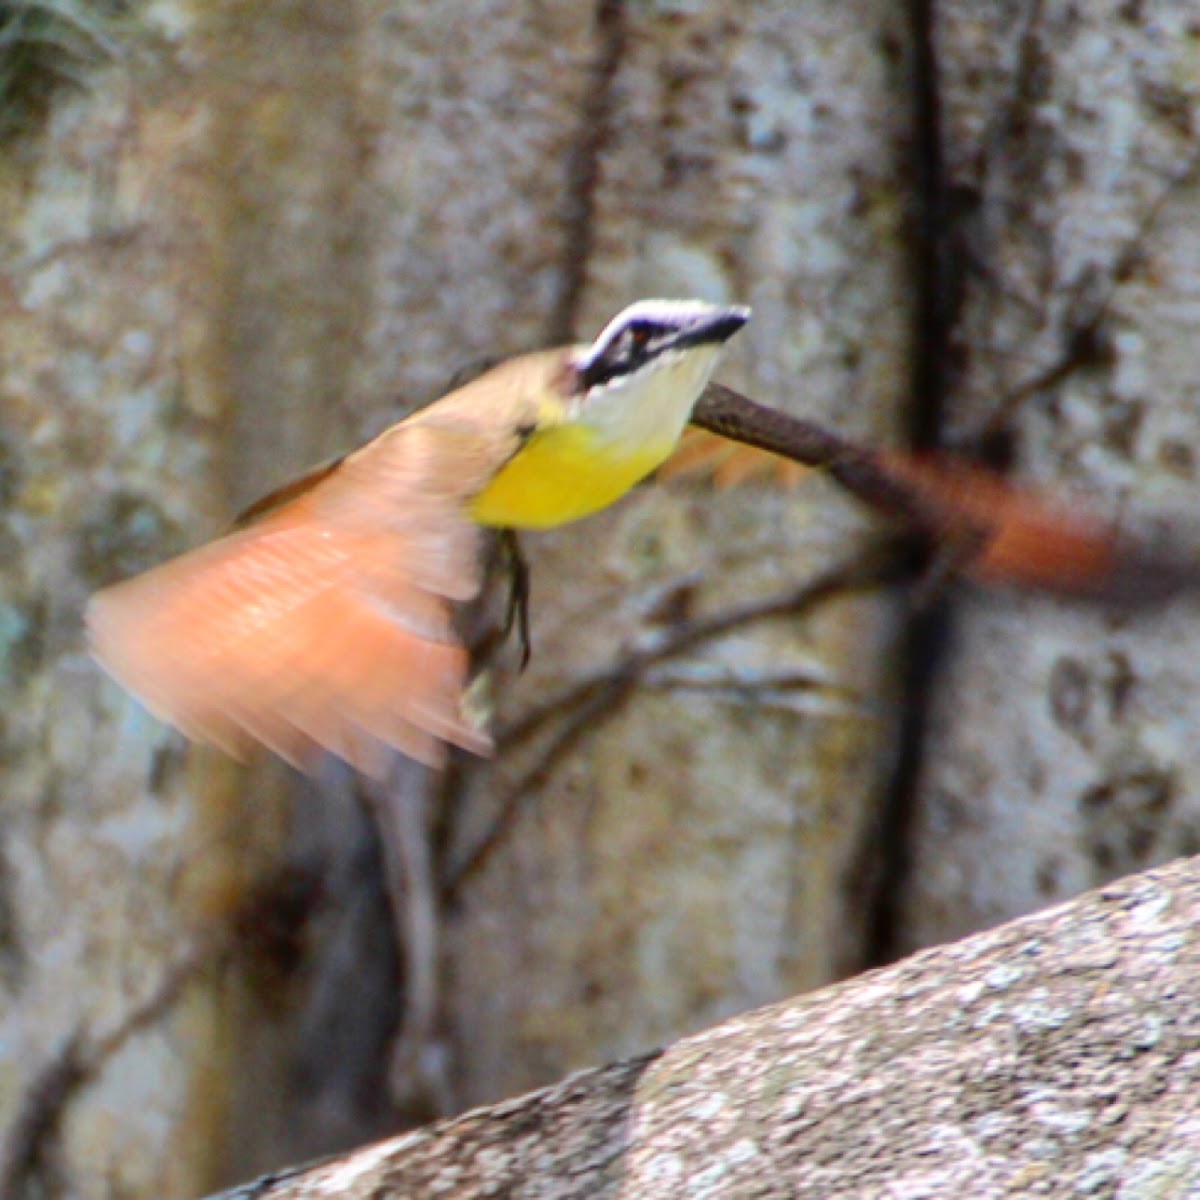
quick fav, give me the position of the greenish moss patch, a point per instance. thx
(46, 45)
(129, 534)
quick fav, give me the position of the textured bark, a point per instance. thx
(168, 353)
(1051, 1057)
(705, 845)
(1061, 749)
(111, 422)
(253, 237)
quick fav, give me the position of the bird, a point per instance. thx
(323, 622)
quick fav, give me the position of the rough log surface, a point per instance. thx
(1056, 1056)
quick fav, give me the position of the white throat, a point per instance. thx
(651, 407)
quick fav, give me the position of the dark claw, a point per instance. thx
(518, 595)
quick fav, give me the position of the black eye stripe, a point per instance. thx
(632, 348)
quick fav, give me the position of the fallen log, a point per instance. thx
(1058, 1055)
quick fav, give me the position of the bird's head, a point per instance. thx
(653, 336)
(637, 382)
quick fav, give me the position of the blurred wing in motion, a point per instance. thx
(1020, 537)
(1024, 538)
(325, 625)
(728, 463)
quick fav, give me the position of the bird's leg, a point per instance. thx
(517, 613)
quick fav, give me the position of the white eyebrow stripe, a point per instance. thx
(668, 312)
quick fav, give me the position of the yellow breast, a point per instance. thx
(563, 473)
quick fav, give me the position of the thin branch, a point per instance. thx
(78, 1061)
(588, 700)
(512, 801)
(861, 470)
(1084, 342)
(400, 807)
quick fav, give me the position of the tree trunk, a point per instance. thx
(706, 842)
(1061, 748)
(1050, 1057)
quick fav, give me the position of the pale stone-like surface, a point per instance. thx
(701, 848)
(110, 420)
(470, 120)
(167, 354)
(1062, 749)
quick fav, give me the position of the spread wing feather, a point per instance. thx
(326, 624)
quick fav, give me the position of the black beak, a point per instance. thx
(718, 327)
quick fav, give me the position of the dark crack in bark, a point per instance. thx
(583, 168)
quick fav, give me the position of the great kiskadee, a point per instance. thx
(324, 624)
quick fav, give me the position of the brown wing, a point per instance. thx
(728, 463)
(1026, 538)
(326, 625)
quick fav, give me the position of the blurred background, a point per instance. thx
(237, 238)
